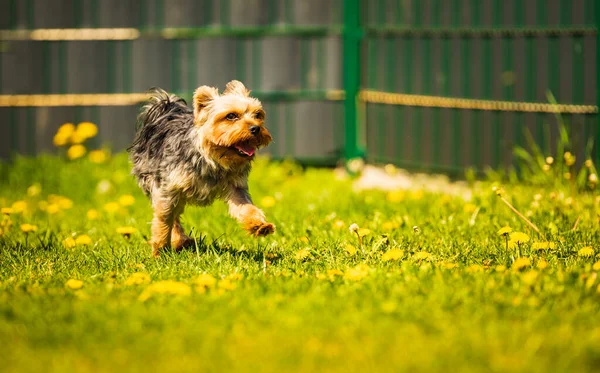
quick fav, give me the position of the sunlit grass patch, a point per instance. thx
(350, 278)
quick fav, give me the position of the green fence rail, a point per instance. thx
(429, 84)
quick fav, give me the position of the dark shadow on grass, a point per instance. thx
(219, 247)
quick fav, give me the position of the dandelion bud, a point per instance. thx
(588, 163)
(567, 175)
(593, 178)
(549, 160)
(499, 191)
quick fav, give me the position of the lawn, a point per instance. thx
(424, 282)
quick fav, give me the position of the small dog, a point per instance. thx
(183, 156)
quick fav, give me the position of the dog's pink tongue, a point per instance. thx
(247, 149)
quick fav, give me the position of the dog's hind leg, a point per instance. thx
(165, 208)
(179, 239)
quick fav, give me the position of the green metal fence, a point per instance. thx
(429, 84)
(502, 56)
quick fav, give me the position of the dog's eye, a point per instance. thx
(259, 115)
(231, 116)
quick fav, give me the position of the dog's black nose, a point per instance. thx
(254, 130)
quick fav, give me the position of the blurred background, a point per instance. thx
(434, 85)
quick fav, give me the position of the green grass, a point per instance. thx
(297, 301)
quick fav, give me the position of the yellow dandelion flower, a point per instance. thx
(469, 208)
(542, 264)
(519, 237)
(7, 210)
(593, 178)
(500, 268)
(302, 254)
(546, 167)
(74, 284)
(92, 214)
(396, 196)
(52, 208)
(19, 207)
(83, 240)
(569, 159)
(77, 138)
(27, 228)
(390, 225)
(449, 265)
(166, 287)
(588, 163)
(591, 280)
(332, 273)
(61, 139)
(75, 152)
(69, 242)
(267, 201)
(112, 207)
(68, 128)
(530, 277)
(138, 278)
(126, 200)
(126, 231)
(87, 130)
(97, 156)
(393, 254)
(549, 160)
(521, 263)
(474, 268)
(226, 284)
(204, 281)
(364, 232)
(596, 266)
(543, 245)
(350, 249)
(357, 273)
(505, 231)
(34, 190)
(422, 255)
(235, 276)
(586, 251)
(65, 203)
(390, 169)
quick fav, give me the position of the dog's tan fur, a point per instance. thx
(203, 156)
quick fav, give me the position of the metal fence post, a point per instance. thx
(351, 75)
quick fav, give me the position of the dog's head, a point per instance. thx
(231, 125)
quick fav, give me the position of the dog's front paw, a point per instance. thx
(263, 229)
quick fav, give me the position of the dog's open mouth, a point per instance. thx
(245, 149)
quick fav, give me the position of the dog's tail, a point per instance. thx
(160, 104)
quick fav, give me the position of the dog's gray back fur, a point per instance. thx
(166, 156)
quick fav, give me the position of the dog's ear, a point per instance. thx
(203, 96)
(235, 87)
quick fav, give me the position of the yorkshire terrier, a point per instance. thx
(193, 156)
